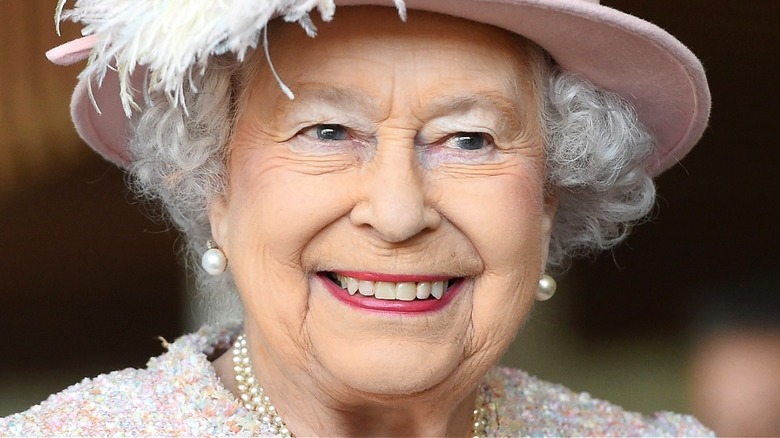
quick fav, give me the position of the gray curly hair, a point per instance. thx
(595, 154)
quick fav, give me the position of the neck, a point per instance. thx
(427, 420)
(408, 418)
(312, 406)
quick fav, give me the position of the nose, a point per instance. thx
(394, 201)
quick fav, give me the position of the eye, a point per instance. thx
(470, 141)
(331, 139)
(327, 132)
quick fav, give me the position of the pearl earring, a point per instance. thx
(214, 260)
(546, 288)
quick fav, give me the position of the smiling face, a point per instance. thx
(386, 229)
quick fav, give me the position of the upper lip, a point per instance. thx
(394, 278)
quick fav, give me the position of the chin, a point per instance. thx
(391, 369)
(388, 353)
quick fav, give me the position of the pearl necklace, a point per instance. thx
(253, 397)
(252, 394)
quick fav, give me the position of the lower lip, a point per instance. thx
(391, 306)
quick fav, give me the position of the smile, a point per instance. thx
(392, 293)
(392, 290)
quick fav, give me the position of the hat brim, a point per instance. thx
(618, 52)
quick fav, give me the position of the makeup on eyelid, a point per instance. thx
(436, 140)
(476, 112)
(431, 155)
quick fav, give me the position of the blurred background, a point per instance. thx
(683, 316)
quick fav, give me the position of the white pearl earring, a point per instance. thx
(214, 260)
(546, 288)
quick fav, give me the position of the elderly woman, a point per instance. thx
(384, 200)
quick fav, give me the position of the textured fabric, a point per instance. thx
(179, 394)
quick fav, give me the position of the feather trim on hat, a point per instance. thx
(171, 38)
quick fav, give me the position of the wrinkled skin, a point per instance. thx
(410, 148)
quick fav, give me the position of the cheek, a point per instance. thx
(281, 203)
(500, 215)
(275, 210)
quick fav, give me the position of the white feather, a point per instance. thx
(175, 38)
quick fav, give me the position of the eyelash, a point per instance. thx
(319, 129)
(314, 139)
(310, 141)
(487, 140)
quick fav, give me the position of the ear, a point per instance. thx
(548, 219)
(218, 218)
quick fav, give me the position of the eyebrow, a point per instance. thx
(507, 112)
(337, 97)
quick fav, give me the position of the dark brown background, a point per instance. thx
(714, 240)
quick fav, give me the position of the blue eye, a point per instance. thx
(331, 132)
(470, 141)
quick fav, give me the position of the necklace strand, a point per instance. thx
(252, 394)
(254, 398)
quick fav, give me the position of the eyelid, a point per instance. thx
(428, 139)
(450, 125)
(465, 133)
(308, 144)
(328, 115)
(316, 126)
(354, 134)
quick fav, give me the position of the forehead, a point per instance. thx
(375, 57)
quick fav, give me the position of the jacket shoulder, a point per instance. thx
(102, 405)
(529, 406)
(177, 394)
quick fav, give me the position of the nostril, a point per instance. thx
(394, 223)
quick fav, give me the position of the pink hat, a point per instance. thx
(618, 52)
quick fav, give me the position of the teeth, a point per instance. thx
(352, 284)
(437, 289)
(385, 290)
(423, 290)
(366, 288)
(406, 291)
